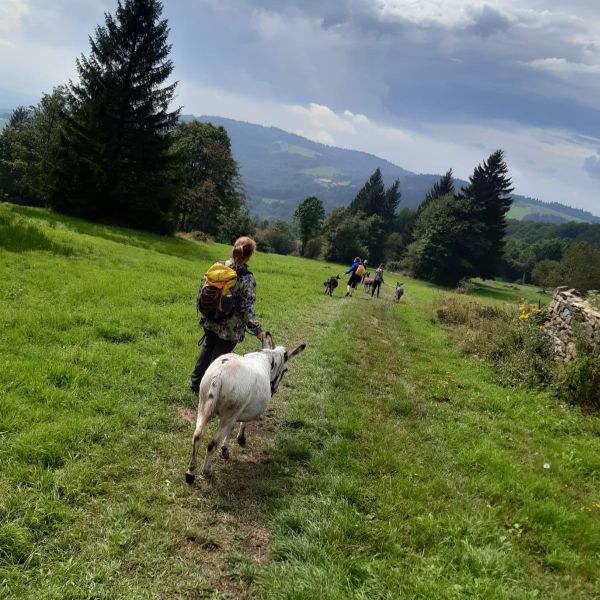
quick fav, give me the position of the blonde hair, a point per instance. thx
(243, 249)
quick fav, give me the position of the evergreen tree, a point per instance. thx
(440, 188)
(371, 198)
(309, 215)
(391, 201)
(490, 191)
(378, 206)
(114, 160)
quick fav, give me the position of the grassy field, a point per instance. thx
(521, 209)
(387, 467)
(322, 171)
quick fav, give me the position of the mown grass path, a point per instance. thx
(387, 467)
(427, 480)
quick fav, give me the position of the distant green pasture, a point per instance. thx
(323, 171)
(293, 149)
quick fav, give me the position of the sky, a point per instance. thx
(427, 84)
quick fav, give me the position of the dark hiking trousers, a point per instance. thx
(212, 347)
(376, 285)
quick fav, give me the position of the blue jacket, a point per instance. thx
(353, 268)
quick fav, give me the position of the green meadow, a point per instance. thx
(388, 466)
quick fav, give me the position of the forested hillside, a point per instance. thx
(279, 169)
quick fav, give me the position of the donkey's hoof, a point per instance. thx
(225, 453)
(207, 474)
(241, 441)
(190, 477)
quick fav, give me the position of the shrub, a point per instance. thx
(313, 248)
(200, 236)
(593, 297)
(515, 343)
(580, 383)
(465, 286)
(455, 311)
(522, 355)
(517, 347)
(395, 266)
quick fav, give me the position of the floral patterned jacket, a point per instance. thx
(244, 309)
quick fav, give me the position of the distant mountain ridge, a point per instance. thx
(279, 169)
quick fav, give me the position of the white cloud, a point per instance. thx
(561, 65)
(11, 15)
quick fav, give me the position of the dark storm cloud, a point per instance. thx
(394, 64)
(487, 21)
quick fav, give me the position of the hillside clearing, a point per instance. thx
(387, 467)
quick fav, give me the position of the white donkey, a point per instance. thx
(237, 388)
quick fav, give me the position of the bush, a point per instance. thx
(593, 297)
(313, 248)
(200, 236)
(515, 343)
(395, 266)
(465, 286)
(522, 355)
(455, 311)
(580, 383)
(517, 347)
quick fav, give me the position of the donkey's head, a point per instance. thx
(280, 358)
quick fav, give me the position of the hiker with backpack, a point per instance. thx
(226, 301)
(357, 271)
(377, 281)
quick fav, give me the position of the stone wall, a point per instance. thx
(566, 309)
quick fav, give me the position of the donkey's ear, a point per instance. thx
(269, 339)
(295, 351)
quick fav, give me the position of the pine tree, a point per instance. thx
(390, 204)
(440, 188)
(370, 200)
(378, 206)
(114, 160)
(490, 192)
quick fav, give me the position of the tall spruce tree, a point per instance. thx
(490, 190)
(440, 188)
(370, 199)
(114, 159)
(378, 206)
